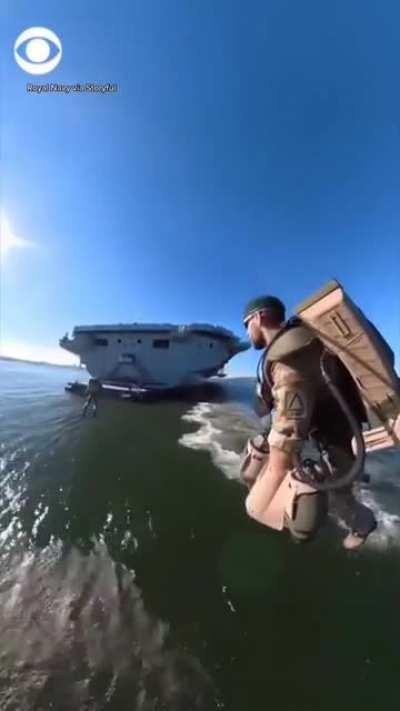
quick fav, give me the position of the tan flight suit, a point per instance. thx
(302, 403)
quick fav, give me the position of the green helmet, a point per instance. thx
(261, 303)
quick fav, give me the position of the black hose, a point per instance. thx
(356, 467)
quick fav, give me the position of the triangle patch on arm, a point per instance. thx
(295, 405)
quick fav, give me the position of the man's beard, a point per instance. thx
(259, 344)
(261, 341)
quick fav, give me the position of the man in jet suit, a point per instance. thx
(292, 385)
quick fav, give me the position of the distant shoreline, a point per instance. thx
(39, 362)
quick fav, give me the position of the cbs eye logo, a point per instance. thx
(37, 50)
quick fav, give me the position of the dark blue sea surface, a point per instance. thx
(132, 578)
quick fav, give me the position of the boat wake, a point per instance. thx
(223, 431)
(224, 428)
(74, 634)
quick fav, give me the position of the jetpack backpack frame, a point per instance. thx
(346, 332)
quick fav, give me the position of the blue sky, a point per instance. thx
(251, 148)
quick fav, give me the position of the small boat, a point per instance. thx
(122, 390)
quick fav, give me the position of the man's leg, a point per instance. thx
(309, 513)
(85, 407)
(358, 517)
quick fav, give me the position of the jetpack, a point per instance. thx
(346, 332)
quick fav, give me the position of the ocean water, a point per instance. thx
(131, 577)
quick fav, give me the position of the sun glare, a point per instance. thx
(8, 240)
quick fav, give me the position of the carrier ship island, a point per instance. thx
(152, 356)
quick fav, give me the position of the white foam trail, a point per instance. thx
(68, 621)
(214, 420)
(41, 515)
(388, 531)
(383, 496)
(227, 421)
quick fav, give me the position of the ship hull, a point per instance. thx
(154, 358)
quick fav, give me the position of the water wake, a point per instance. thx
(223, 432)
(224, 428)
(74, 633)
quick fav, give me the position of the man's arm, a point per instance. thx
(294, 396)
